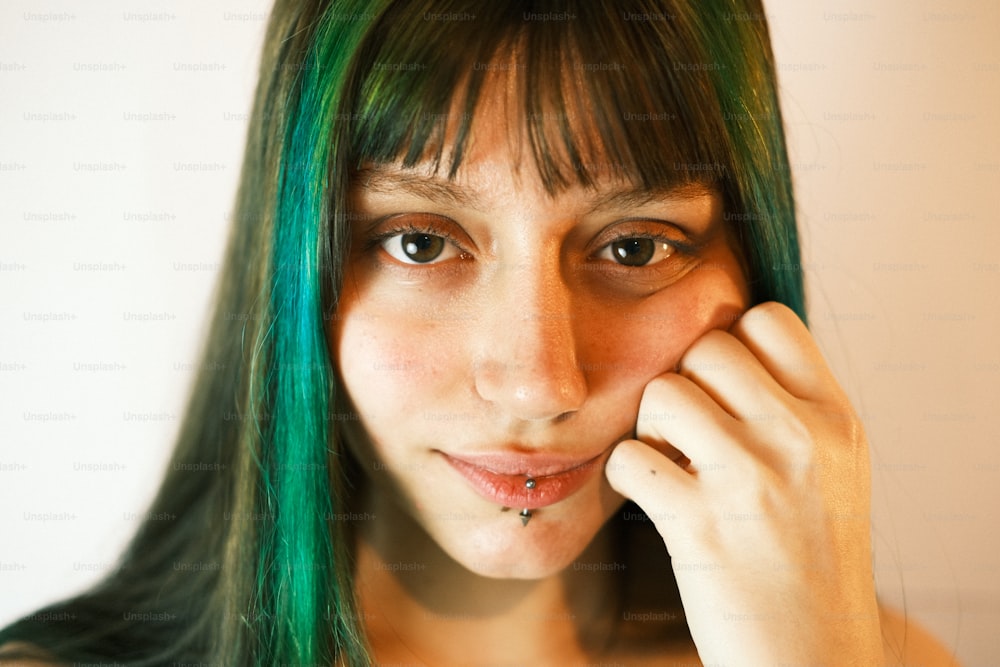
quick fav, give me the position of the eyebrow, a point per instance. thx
(439, 190)
(638, 196)
(431, 189)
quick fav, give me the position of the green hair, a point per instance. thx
(687, 94)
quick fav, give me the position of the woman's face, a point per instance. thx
(490, 333)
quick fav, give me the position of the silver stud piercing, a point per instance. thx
(530, 483)
(525, 517)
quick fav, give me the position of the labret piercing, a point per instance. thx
(526, 513)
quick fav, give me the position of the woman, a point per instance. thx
(495, 271)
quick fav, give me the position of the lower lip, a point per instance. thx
(511, 491)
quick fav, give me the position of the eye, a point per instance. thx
(419, 248)
(636, 251)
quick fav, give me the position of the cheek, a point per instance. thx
(648, 339)
(392, 367)
(410, 372)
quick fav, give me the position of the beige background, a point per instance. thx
(120, 134)
(892, 110)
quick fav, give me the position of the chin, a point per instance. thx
(552, 541)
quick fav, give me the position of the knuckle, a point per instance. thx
(711, 349)
(660, 400)
(662, 387)
(762, 317)
(771, 310)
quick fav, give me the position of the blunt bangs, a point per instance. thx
(600, 90)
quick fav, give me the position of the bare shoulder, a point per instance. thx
(908, 643)
(20, 654)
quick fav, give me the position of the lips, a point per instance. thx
(501, 478)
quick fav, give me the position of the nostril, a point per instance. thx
(564, 416)
(532, 391)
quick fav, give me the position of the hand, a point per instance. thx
(753, 466)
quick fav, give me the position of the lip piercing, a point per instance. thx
(529, 483)
(525, 517)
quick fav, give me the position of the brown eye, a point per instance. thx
(422, 239)
(422, 248)
(419, 248)
(633, 252)
(639, 251)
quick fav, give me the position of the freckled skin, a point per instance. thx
(520, 340)
(527, 335)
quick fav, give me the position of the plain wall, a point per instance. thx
(121, 130)
(892, 113)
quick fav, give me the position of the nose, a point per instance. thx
(527, 364)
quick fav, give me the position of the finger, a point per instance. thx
(783, 345)
(651, 480)
(722, 366)
(683, 422)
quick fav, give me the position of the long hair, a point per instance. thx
(245, 554)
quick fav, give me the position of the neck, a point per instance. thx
(419, 605)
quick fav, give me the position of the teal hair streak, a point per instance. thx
(284, 594)
(764, 215)
(309, 611)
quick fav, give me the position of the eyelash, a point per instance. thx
(377, 240)
(680, 246)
